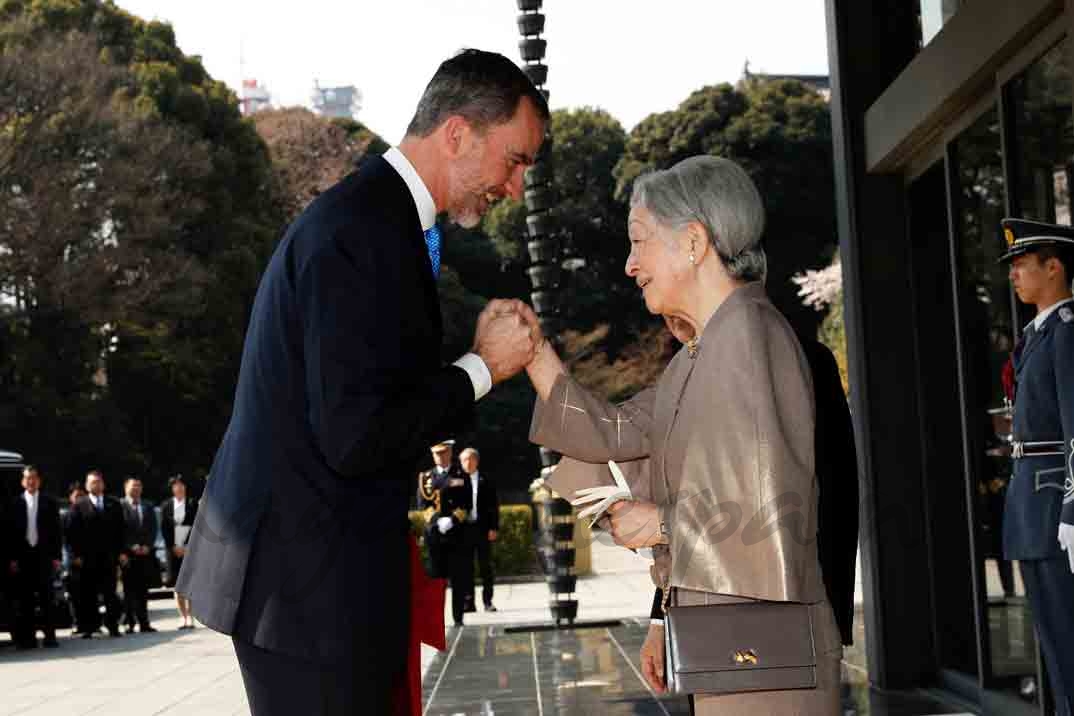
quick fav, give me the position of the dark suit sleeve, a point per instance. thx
(55, 532)
(657, 610)
(73, 531)
(365, 416)
(167, 525)
(494, 506)
(837, 477)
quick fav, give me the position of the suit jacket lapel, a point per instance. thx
(415, 244)
(1034, 341)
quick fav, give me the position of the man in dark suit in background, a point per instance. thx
(341, 390)
(482, 526)
(137, 559)
(36, 542)
(96, 541)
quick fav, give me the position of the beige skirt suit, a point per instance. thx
(723, 445)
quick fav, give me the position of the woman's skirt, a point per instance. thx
(821, 701)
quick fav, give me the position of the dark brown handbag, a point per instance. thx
(733, 648)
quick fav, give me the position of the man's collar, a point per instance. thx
(1042, 316)
(423, 200)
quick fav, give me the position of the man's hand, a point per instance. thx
(635, 524)
(178, 551)
(1066, 541)
(493, 534)
(652, 658)
(504, 340)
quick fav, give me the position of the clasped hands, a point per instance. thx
(507, 338)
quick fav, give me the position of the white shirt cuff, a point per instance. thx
(478, 372)
(656, 622)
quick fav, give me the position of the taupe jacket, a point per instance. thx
(729, 439)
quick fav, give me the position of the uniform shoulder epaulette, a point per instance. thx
(1066, 315)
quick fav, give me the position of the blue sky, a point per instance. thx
(630, 57)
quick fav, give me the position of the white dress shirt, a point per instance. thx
(479, 373)
(179, 513)
(1042, 316)
(31, 517)
(474, 479)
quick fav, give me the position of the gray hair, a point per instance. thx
(719, 195)
(485, 88)
(470, 451)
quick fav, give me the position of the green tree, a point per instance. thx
(219, 228)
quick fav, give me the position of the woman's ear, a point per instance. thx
(699, 243)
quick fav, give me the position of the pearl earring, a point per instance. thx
(693, 259)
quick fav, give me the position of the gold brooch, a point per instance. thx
(691, 346)
(745, 657)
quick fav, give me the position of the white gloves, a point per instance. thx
(1066, 541)
(444, 524)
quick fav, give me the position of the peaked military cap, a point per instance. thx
(1025, 236)
(443, 445)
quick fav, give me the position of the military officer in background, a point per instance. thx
(445, 495)
(1038, 523)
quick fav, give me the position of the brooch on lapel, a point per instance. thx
(1066, 314)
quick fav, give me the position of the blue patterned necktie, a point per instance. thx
(432, 242)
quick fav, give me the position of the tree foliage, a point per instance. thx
(137, 214)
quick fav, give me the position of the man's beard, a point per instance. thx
(472, 201)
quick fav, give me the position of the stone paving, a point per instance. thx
(507, 662)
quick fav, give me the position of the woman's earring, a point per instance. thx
(693, 259)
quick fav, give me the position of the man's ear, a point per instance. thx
(456, 135)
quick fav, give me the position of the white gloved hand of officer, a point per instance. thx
(1066, 541)
(444, 524)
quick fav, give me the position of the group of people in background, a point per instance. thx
(462, 520)
(88, 547)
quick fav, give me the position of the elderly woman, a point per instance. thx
(728, 498)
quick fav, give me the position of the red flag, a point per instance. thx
(426, 626)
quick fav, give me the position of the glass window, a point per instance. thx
(934, 14)
(1042, 138)
(984, 305)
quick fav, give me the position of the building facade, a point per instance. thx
(947, 116)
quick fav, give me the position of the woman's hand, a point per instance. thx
(652, 658)
(635, 524)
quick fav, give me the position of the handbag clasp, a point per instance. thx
(745, 657)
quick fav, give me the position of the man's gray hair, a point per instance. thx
(469, 451)
(719, 195)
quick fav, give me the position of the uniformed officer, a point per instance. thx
(445, 494)
(1039, 512)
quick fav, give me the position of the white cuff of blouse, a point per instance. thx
(478, 372)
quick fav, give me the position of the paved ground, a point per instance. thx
(498, 663)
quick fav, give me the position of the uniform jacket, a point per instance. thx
(1043, 411)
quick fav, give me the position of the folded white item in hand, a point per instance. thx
(604, 496)
(444, 524)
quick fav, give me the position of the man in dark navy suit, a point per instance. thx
(339, 396)
(36, 548)
(1038, 522)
